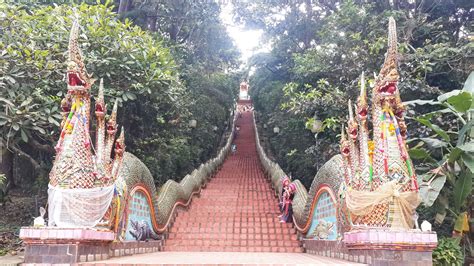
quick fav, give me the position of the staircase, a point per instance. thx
(237, 211)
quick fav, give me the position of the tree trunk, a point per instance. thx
(152, 23)
(6, 163)
(20, 154)
(124, 6)
(309, 17)
(174, 32)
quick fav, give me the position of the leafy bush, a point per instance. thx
(445, 160)
(448, 252)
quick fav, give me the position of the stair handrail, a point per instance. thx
(275, 173)
(163, 203)
(198, 179)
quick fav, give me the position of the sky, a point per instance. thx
(246, 40)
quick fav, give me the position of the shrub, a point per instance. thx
(448, 252)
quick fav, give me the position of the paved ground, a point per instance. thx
(8, 260)
(229, 258)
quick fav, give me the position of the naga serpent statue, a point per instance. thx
(103, 186)
(372, 182)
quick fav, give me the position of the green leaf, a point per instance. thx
(435, 128)
(461, 102)
(445, 96)
(24, 137)
(468, 159)
(40, 130)
(456, 241)
(440, 132)
(429, 191)
(462, 188)
(462, 133)
(418, 154)
(468, 147)
(15, 126)
(454, 154)
(469, 84)
(53, 121)
(10, 79)
(434, 143)
(26, 102)
(131, 96)
(6, 101)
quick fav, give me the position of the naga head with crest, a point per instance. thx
(76, 165)
(385, 92)
(344, 144)
(352, 127)
(78, 80)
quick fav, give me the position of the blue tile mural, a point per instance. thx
(139, 214)
(324, 220)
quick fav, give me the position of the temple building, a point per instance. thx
(244, 91)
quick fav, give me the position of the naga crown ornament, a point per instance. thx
(380, 187)
(75, 165)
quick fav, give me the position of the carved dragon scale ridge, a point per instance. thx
(95, 186)
(372, 180)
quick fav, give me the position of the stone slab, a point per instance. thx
(50, 245)
(378, 238)
(54, 233)
(378, 247)
(223, 258)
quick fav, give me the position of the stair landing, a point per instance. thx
(222, 258)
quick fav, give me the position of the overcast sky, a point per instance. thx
(246, 40)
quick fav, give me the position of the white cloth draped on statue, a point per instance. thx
(362, 203)
(78, 207)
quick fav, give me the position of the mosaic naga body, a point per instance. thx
(94, 186)
(372, 181)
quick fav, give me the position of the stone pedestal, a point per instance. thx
(391, 247)
(65, 245)
(378, 247)
(51, 245)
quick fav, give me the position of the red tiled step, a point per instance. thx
(232, 249)
(231, 224)
(233, 242)
(233, 236)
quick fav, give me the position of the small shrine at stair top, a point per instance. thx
(244, 91)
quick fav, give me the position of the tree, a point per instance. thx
(193, 27)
